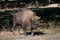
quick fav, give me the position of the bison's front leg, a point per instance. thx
(32, 32)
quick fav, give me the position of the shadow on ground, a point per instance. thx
(36, 33)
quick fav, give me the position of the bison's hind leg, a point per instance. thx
(13, 29)
(19, 27)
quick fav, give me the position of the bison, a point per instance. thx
(27, 19)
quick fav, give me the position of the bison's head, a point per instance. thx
(35, 21)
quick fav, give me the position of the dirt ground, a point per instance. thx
(10, 36)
